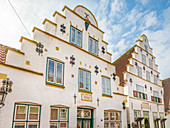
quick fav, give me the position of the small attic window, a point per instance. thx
(146, 48)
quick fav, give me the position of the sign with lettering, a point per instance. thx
(86, 97)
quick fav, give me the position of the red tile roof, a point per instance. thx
(3, 53)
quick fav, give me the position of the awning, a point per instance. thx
(157, 119)
(163, 119)
(139, 118)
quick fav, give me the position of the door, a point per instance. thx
(84, 118)
(82, 123)
(147, 123)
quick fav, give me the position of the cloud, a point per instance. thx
(143, 2)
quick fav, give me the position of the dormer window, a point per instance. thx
(146, 48)
(75, 36)
(93, 46)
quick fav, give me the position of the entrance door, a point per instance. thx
(84, 118)
(147, 123)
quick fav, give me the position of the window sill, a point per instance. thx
(55, 85)
(105, 95)
(85, 91)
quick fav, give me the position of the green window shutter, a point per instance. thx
(143, 95)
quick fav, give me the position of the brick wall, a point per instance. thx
(122, 62)
(166, 85)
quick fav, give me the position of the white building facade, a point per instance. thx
(140, 78)
(72, 84)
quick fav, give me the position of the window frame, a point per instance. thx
(27, 120)
(150, 63)
(93, 40)
(76, 36)
(144, 60)
(84, 78)
(148, 77)
(106, 78)
(55, 71)
(59, 121)
(113, 121)
(138, 72)
(155, 79)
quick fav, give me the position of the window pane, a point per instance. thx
(78, 38)
(73, 35)
(112, 116)
(33, 114)
(106, 125)
(155, 93)
(79, 124)
(63, 114)
(79, 113)
(103, 85)
(54, 113)
(106, 115)
(112, 125)
(147, 75)
(117, 115)
(21, 112)
(59, 73)
(81, 84)
(86, 124)
(95, 47)
(117, 124)
(139, 88)
(63, 124)
(87, 81)
(19, 125)
(90, 45)
(139, 71)
(51, 71)
(87, 113)
(53, 125)
(143, 59)
(33, 125)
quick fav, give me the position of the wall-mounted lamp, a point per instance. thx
(4, 90)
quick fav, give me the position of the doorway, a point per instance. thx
(147, 123)
(84, 118)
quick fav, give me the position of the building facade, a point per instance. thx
(166, 85)
(63, 77)
(140, 78)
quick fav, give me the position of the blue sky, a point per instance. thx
(123, 21)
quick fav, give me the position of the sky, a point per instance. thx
(123, 21)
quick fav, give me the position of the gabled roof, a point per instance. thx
(3, 52)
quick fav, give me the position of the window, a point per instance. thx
(155, 79)
(155, 94)
(84, 80)
(112, 119)
(146, 48)
(76, 36)
(93, 46)
(139, 71)
(26, 115)
(143, 59)
(137, 113)
(147, 75)
(59, 117)
(55, 72)
(106, 87)
(150, 63)
(139, 88)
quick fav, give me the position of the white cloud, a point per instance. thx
(117, 7)
(144, 2)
